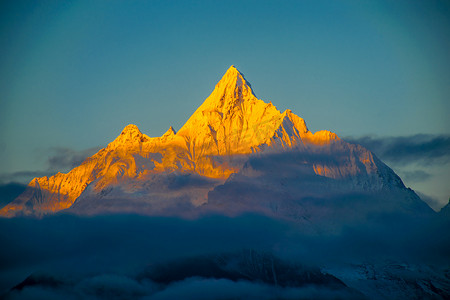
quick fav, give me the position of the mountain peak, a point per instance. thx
(170, 133)
(230, 91)
(130, 135)
(234, 77)
(232, 70)
(131, 128)
(171, 130)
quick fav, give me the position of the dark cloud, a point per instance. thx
(9, 191)
(201, 288)
(113, 286)
(246, 274)
(102, 257)
(424, 149)
(64, 159)
(109, 286)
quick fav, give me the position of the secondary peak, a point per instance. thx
(170, 132)
(130, 136)
(131, 128)
(130, 133)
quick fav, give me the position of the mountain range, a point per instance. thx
(235, 154)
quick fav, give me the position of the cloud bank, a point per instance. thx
(108, 257)
(9, 192)
(423, 149)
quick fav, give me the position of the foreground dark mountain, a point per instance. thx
(235, 154)
(254, 272)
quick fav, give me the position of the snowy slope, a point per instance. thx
(395, 280)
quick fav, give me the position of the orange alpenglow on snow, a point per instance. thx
(231, 123)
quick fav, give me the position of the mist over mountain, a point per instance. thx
(129, 256)
(242, 202)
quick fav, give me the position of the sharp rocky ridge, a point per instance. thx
(236, 153)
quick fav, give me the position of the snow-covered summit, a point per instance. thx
(130, 132)
(233, 78)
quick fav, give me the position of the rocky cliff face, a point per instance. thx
(229, 128)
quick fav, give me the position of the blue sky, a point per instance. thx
(73, 74)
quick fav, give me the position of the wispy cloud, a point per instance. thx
(416, 175)
(23, 176)
(60, 159)
(423, 149)
(63, 158)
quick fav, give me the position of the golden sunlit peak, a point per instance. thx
(170, 131)
(130, 132)
(233, 72)
(130, 138)
(233, 81)
(130, 127)
(232, 68)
